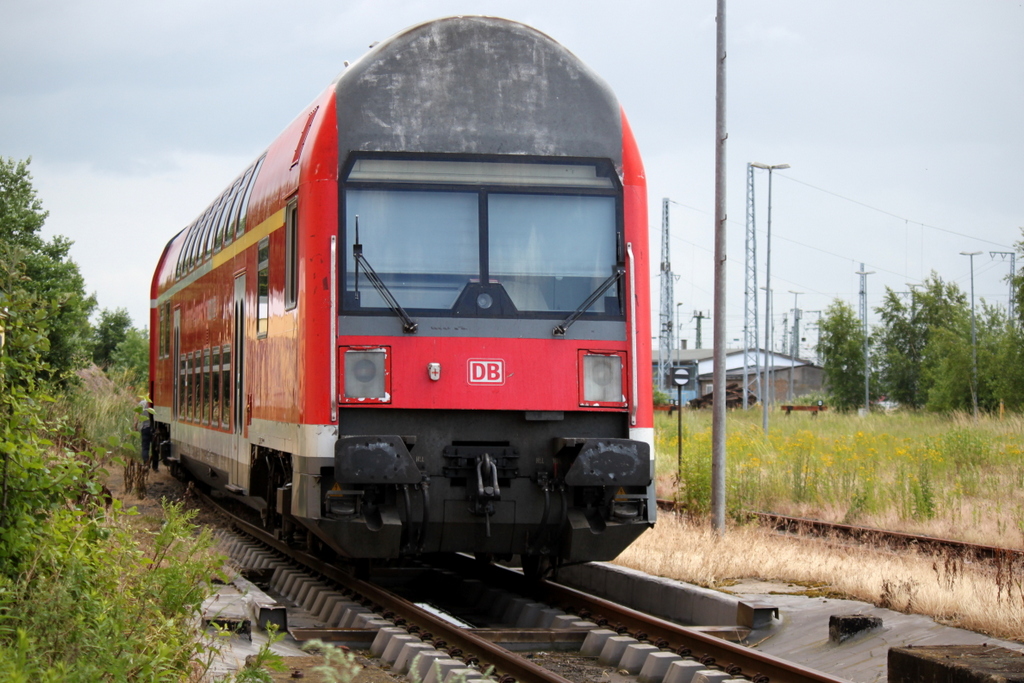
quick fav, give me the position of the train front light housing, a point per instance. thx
(364, 374)
(602, 379)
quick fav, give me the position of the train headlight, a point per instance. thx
(602, 378)
(365, 373)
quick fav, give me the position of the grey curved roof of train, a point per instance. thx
(476, 85)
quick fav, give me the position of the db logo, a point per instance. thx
(486, 371)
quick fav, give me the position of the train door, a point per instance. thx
(176, 359)
(238, 416)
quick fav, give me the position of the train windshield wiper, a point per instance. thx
(408, 324)
(616, 275)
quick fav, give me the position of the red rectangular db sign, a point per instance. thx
(486, 371)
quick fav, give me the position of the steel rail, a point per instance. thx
(876, 536)
(474, 646)
(708, 649)
(722, 654)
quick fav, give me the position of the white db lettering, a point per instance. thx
(486, 371)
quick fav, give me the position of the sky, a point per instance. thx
(902, 123)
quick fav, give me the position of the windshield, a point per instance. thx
(550, 252)
(541, 252)
(423, 245)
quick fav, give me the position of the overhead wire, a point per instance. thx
(889, 213)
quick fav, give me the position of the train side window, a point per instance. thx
(206, 241)
(186, 249)
(167, 330)
(162, 322)
(225, 216)
(215, 388)
(236, 206)
(188, 387)
(225, 383)
(217, 224)
(263, 288)
(182, 385)
(291, 255)
(197, 388)
(197, 233)
(207, 393)
(240, 228)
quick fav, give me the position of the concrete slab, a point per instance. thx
(959, 664)
(634, 657)
(803, 636)
(439, 669)
(563, 621)
(408, 653)
(378, 623)
(422, 663)
(383, 637)
(530, 615)
(595, 640)
(710, 676)
(500, 604)
(682, 671)
(614, 648)
(463, 675)
(350, 614)
(548, 615)
(514, 609)
(656, 666)
(321, 599)
(363, 618)
(395, 645)
(338, 612)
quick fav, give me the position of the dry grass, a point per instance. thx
(941, 475)
(974, 597)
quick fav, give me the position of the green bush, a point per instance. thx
(92, 603)
(86, 594)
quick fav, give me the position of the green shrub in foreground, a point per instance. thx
(93, 603)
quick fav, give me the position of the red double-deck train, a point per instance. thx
(419, 322)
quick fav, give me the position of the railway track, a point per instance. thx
(879, 537)
(585, 619)
(900, 539)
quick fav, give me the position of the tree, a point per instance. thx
(132, 354)
(898, 344)
(111, 330)
(841, 347)
(46, 272)
(1008, 371)
(944, 314)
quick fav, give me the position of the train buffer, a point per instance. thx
(813, 409)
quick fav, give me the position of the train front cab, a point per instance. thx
(486, 366)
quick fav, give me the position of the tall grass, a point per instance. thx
(947, 475)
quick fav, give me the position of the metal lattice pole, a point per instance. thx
(751, 358)
(665, 337)
(1011, 310)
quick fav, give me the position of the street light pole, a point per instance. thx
(766, 388)
(678, 327)
(974, 338)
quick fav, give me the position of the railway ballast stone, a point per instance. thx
(956, 664)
